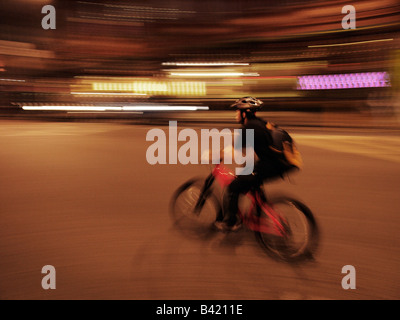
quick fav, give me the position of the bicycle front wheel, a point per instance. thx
(190, 217)
(299, 230)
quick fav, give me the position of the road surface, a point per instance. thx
(82, 197)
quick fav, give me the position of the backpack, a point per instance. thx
(284, 145)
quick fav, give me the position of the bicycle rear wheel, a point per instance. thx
(189, 219)
(300, 234)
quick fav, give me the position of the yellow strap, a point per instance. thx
(270, 125)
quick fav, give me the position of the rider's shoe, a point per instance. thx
(222, 226)
(235, 227)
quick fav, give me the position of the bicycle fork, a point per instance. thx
(205, 192)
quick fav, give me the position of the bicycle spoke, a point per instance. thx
(297, 226)
(186, 216)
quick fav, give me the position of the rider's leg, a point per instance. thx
(244, 183)
(241, 185)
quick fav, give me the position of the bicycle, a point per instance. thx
(195, 206)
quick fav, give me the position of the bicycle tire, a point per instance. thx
(185, 218)
(286, 248)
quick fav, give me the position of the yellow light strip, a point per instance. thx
(110, 94)
(348, 44)
(148, 87)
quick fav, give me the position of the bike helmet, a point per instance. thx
(247, 104)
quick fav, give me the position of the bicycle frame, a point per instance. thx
(273, 223)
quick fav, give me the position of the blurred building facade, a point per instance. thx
(293, 54)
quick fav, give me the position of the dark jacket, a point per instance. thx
(262, 143)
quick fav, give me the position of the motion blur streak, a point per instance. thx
(344, 81)
(110, 94)
(182, 51)
(165, 108)
(212, 74)
(69, 108)
(348, 44)
(207, 64)
(107, 108)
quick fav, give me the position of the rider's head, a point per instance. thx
(246, 108)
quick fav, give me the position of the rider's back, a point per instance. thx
(262, 141)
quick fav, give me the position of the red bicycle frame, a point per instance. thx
(271, 223)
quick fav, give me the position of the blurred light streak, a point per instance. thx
(164, 108)
(344, 81)
(118, 12)
(70, 108)
(14, 48)
(212, 74)
(348, 43)
(14, 80)
(110, 108)
(105, 112)
(206, 64)
(274, 78)
(184, 88)
(109, 94)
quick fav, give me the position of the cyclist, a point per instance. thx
(268, 165)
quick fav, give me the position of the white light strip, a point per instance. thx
(15, 80)
(107, 108)
(164, 108)
(90, 112)
(213, 74)
(348, 43)
(70, 108)
(204, 64)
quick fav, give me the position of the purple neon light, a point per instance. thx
(344, 81)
